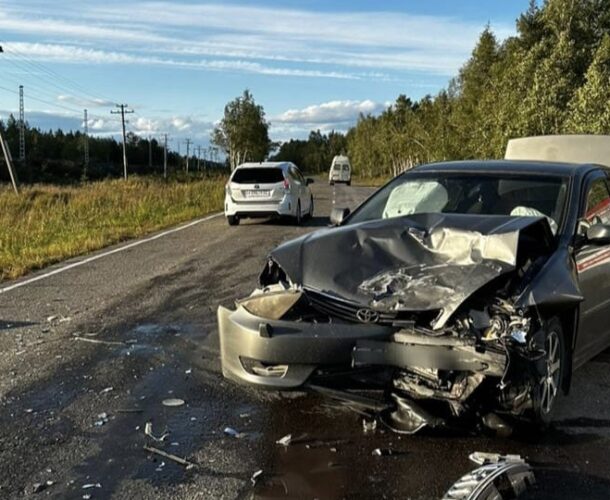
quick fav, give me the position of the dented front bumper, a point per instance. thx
(279, 354)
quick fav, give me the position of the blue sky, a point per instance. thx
(311, 64)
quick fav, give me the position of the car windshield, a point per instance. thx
(481, 194)
(258, 176)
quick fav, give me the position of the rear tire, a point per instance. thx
(311, 208)
(233, 220)
(331, 183)
(550, 371)
(349, 183)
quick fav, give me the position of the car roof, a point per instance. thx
(267, 164)
(513, 166)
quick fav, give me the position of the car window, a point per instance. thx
(258, 176)
(346, 168)
(598, 203)
(300, 176)
(476, 193)
(294, 173)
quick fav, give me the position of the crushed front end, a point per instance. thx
(424, 313)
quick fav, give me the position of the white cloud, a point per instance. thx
(74, 54)
(84, 102)
(329, 41)
(333, 112)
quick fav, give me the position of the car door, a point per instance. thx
(301, 187)
(593, 265)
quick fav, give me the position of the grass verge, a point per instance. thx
(46, 224)
(378, 181)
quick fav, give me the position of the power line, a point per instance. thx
(63, 82)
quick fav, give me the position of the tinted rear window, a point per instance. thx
(258, 176)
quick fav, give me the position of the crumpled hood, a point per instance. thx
(414, 263)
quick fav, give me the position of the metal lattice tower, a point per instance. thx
(21, 126)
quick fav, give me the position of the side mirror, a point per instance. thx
(599, 234)
(338, 215)
(309, 181)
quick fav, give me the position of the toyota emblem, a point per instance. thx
(367, 316)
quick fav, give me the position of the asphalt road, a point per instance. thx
(74, 411)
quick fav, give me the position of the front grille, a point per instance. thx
(343, 309)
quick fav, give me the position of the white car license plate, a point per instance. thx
(250, 193)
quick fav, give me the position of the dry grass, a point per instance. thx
(377, 181)
(47, 224)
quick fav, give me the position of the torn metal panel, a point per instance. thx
(417, 263)
(556, 284)
(374, 352)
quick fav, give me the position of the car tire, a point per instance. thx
(331, 183)
(349, 183)
(233, 220)
(298, 218)
(549, 373)
(310, 215)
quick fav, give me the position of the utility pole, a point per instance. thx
(123, 112)
(188, 145)
(86, 143)
(9, 162)
(199, 158)
(21, 127)
(165, 156)
(150, 153)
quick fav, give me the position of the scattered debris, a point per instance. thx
(160, 467)
(188, 372)
(52, 318)
(320, 444)
(38, 487)
(285, 441)
(502, 478)
(482, 458)
(256, 476)
(369, 425)
(181, 461)
(244, 415)
(102, 419)
(229, 431)
(96, 341)
(106, 390)
(86, 496)
(149, 433)
(173, 402)
(383, 452)
(91, 485)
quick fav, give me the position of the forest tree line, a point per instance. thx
(552, 77)
(58, 156)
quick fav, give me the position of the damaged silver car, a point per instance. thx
(458, 289)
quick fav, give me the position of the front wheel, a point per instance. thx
(298, 218)
(549, 372)
(233, 220)
(349, 183)
(311, 207)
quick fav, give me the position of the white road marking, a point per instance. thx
(106, 254)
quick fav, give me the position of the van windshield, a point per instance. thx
(258, 176)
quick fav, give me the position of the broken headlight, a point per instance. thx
(271, 302)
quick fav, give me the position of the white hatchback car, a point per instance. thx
(268, 189)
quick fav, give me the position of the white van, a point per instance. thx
(340, 171)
